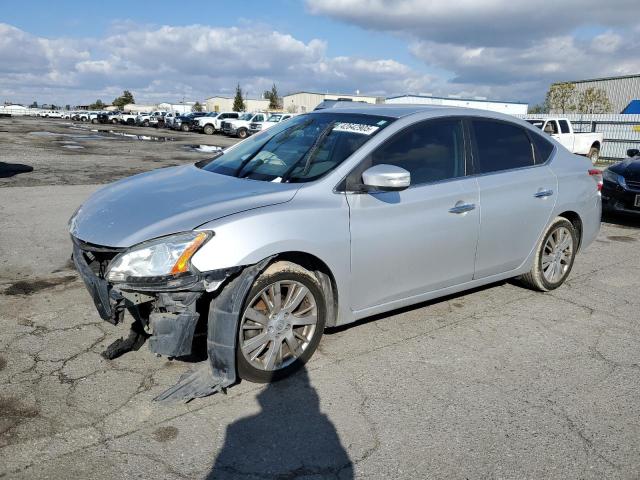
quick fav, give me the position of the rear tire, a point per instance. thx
(594, 155)
(287, 276)
(554, 257)
(208, 129)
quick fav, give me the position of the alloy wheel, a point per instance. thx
(278, 325)
(557, 254)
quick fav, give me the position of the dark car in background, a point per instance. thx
(187, 122)
(621, 185)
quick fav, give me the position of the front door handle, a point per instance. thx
(543, 193)
(461, 207)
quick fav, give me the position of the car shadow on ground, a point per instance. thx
(628, 221)
(289, 438)
(10, 169)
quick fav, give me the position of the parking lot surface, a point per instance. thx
(499, 382)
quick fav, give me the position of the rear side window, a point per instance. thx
(430, 151)
(564, 126)
(542, 147)
(500, 146)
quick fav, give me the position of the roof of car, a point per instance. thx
(397, 110)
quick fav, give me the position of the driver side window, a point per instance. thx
(430, 151)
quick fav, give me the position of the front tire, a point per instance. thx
(281, 323)
(184, 128)
(242, 133)
(208, 129)
(554, 258)
(594, 154)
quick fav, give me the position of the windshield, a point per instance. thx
(536, 123)
(246, 116)
(274, 118)
(301, 149)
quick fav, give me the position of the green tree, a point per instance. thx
(539, 108)
(594, 100)
(561, 97)
(238, 101)
(273, 97)
(124, 99)
(97, 105)
(197, 107)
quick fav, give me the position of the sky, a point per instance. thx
(74, 52)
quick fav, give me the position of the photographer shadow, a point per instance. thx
(288, 438)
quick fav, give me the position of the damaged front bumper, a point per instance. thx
(169, 316)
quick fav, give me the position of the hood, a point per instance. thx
(166, 201)
(629, 169)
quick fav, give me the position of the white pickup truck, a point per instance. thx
(588, 144)
(212, 122)
(240, 127)
(273, 119)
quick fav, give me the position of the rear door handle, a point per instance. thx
(543, 193)
(461, 207)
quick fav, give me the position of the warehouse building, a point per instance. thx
(512, 108)
(301, 102)
(620, 90)
(225, 104)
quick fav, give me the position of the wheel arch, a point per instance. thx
(596, 144)
(576, 221)
(324, 274)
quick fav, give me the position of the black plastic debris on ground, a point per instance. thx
(11, 169)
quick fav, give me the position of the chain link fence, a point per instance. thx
(621, 132)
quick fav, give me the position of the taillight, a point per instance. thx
(597, 177)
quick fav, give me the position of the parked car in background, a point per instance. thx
(201, 122)
(149, 119)
(157, 119)
(621, 185)
(185, 122)
(327, 218)
(561, 129)
(127, 118)
(240, 127)
(210, 125)
(169, 119)
(114, 117)
(81, 116)
(98, 117)
(53, 114)
(273, 119)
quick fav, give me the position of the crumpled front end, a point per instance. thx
(168, 315)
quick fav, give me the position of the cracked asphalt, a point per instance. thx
(499, 382)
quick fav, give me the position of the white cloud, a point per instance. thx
(167, 63)
(509, 49)
(488, 22)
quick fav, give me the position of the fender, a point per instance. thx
(219, 372)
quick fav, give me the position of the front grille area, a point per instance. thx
(633, 184)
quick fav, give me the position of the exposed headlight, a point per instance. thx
(163, 257)
(613, 177)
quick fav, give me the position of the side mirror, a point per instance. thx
(633, 152)
(386, 178)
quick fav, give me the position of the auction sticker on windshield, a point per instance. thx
(355, 128)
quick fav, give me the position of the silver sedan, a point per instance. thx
(325, 219)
